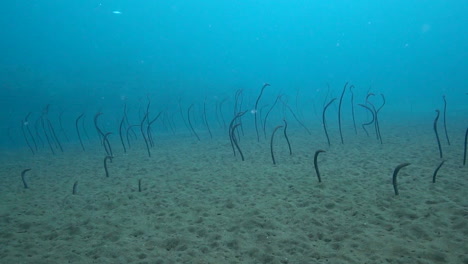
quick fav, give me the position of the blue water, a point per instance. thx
(90, 56)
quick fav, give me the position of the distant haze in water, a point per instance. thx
(90, 54)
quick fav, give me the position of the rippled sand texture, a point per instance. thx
(199, 204)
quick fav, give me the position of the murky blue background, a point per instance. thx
(90, 56)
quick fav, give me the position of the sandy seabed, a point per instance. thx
(200, 204)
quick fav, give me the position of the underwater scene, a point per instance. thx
(209, 132)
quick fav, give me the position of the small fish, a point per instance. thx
(116, 12)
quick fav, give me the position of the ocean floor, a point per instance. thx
(200, 204)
